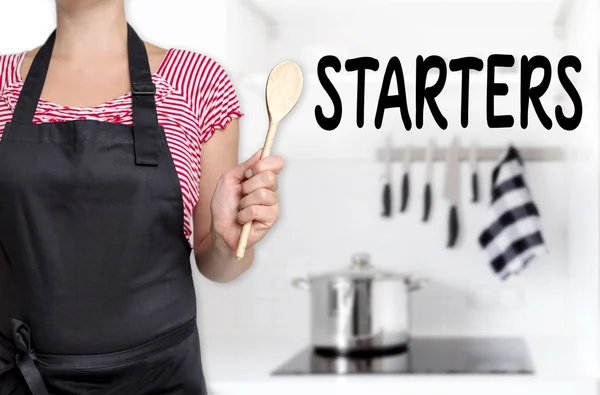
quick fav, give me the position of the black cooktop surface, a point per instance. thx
(424, 356)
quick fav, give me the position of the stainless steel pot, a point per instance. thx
(360, 309)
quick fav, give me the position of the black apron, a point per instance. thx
(96, 286)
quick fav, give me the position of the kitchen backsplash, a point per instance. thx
(331, 209)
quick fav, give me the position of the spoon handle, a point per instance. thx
(242, 244)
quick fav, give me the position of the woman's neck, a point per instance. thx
(90, 28)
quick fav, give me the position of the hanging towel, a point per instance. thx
(513, 236)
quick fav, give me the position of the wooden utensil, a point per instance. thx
(283, 90)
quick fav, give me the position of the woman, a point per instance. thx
(102, 204)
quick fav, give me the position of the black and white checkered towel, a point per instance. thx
(513, 236)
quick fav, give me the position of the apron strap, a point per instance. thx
(146, 130)
(25, 358)
(34, 84)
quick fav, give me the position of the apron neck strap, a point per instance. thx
(34, 84)
(146, 130)
(145, 119)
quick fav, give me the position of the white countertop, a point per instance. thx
(241, 366)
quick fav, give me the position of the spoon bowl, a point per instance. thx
(284, 87)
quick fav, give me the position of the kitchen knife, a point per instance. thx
(405, 188)
(452, 189)
(387, 189)
(474, 173)
(428, 176)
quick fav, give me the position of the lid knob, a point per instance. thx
(361, 260)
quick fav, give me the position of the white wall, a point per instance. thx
(247, 33)
(584, 274)
(330, 189)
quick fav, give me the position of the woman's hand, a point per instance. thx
(248, 192)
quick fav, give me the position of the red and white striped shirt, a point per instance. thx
(194, 97)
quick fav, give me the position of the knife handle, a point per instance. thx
(404, 192)
(475, 187)
(387, 201)
(453, 227)
(427, 202)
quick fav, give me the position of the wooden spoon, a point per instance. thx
(284, 87)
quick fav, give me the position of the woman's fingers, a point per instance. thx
(272, 163)
(239, 172)
(261, 202)
(259, 197)
(266, 179)
(267, 215)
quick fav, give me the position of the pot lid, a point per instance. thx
(361, 267)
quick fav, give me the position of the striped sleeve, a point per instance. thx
(206, 87)
(6, 67)
(218, 103)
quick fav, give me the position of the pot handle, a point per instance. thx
(415, 285)
(301, 283)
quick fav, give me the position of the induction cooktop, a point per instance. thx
(423, 356)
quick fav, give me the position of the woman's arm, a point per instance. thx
(230, 195)
(219, 154)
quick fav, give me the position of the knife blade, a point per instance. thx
(452, 189)
(428, 176)
(387, 189)
(474, 173)
(405, 188)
